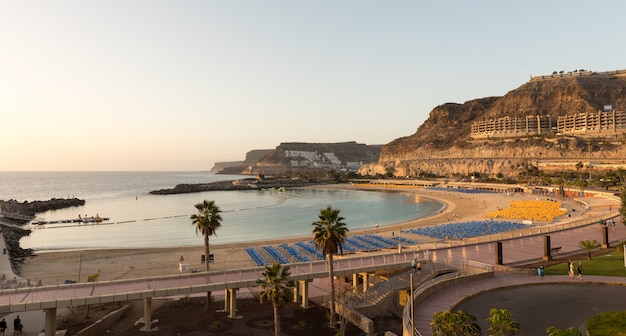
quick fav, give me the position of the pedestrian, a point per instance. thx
(413, 264)
(419, 268)
(570, 269)
(17, 326)
(580, 271)
(3, 327)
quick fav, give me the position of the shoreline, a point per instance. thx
(55, 267)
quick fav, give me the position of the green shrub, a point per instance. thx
(620, 246)
(607, 324)
(217, 324)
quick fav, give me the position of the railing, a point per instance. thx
(407, 322)
(537, 230)
(34, 298)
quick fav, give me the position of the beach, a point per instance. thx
(56, 267)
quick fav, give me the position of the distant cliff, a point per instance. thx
(236, 167)
(294, 157)
(442, 145)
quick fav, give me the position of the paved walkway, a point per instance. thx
(514, 251)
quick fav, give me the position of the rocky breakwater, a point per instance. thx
(12, 226)
(32, 208)
(243, 184)
(213, 186)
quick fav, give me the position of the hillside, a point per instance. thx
(445, 146)
(301, 157)
(235, 167)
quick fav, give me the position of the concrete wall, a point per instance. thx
(356, 318)
(101, 326)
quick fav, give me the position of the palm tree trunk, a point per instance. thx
(206, 251)
(331, 277)
(276, 321)
(206, 263)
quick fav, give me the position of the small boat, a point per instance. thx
(92, 219)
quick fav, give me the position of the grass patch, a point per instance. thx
(607, 324)
(611, 264)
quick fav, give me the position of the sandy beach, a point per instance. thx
(56, 267)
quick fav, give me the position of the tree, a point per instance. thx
(621, 176)
(571, 331)
(579, 166)
(459, 323)
(207, 221)
(589, 245)
(276, 288)
(329, 233)
(501, 323)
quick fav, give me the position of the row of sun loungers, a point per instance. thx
(463, 190)
(310, 248)
(467, 229)
(256, 256)
(306, 251)
(294, 252)
(274, 253)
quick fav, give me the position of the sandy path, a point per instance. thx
(56, 267)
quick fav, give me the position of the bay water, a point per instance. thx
(138, 219)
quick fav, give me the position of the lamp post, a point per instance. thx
(589, 154)
(412, 308)
(80, 257)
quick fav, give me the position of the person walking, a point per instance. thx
(570, 269)
(3, 326)
(580, 271)
(17, 326)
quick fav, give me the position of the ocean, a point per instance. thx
(138, 219)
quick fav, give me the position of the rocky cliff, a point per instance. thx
(295, 157)
(442, 145)
(235, 167)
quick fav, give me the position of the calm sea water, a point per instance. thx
(138, 219)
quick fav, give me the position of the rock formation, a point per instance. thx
(300, 157)
(442, 145)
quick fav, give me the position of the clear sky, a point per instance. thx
(178, 85)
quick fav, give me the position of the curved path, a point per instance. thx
(514, 251)
(564, 303)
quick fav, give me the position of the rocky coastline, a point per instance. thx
(242, 184)
(12, 228)
(32, 208)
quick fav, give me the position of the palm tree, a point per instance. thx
(501, 323)
(579, 166)
(276, 287)
(589, 245)
(459, 323)
(207, 221)
(329, 233)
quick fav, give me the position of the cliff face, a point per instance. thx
(235, 167)
(304, 157)
(442, 144)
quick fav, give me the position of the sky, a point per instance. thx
(151, 85)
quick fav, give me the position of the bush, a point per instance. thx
(620, 246)
(607, 324)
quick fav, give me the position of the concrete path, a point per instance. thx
(514, 251)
